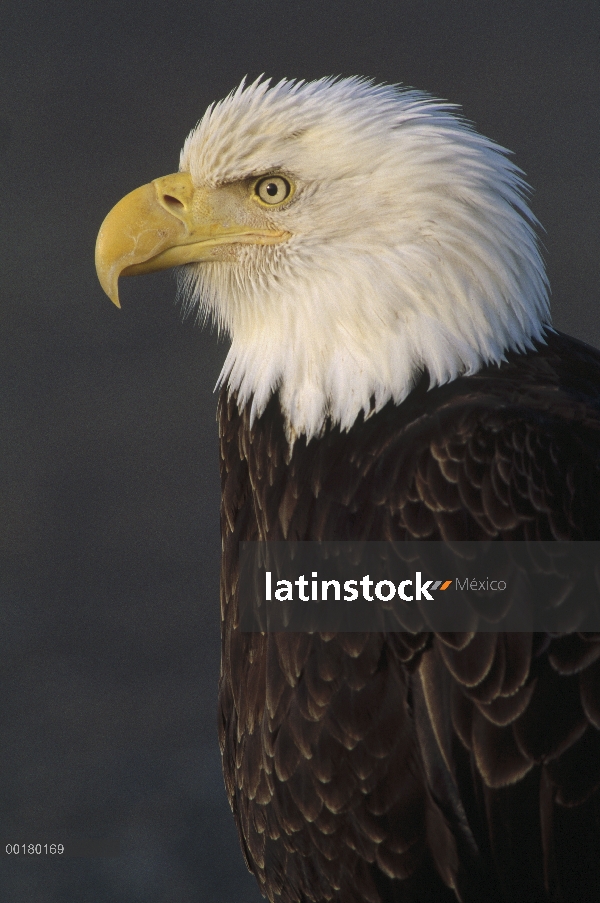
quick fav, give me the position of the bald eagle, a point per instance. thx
(392, 374)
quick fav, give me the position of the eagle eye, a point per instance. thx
(272, 190)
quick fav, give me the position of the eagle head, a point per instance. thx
(348, 237)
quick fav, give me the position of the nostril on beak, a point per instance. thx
(172, 202)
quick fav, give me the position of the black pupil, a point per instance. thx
(272, 189)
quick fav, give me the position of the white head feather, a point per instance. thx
(411, 247)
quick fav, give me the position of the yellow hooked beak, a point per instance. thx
(167, 223)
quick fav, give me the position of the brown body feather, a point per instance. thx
(399, 767)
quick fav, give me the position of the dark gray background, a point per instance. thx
(109, 542)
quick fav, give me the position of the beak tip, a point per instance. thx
(108, 277)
